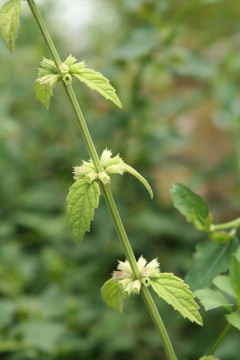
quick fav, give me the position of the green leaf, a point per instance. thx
(43, 94)
(223, 283)
(176, 293)
(9, 21)
(212, 299)
(96, 81)
(135, 173)
(191, 206)
(82, 199)
(112, 295)
(235, 277)
(209, 260)
(209, 357)
(234, 319)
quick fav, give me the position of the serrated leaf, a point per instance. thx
(234, 319)
(235, 277)
(135, 173)
(209, 260)
(208, 357)
(96, 81)
(82, 199)
(212, 299)
(9, 21)
(113, 295)
(190, 204)
(176, 293)
(43, 94)
(222, 282)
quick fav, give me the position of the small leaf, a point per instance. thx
(82, 199)
(209, 260)
(190, 204)
(43, 94)
(209, 357)
(235, 277)
(9, 21)
(234, 319)
(222, 282)
(98, 82)
(176, 293)
(212, 299)
(112, 295)
(135, 173)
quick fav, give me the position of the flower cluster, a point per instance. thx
(110, 165)
(126, 279)
(49, 75)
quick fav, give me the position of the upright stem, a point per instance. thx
(106, 189)
(219, 339)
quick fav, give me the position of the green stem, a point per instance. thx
(157, 320)
(105, 188)
(228, 225)
(219, 339)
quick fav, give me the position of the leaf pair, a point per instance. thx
(9, 21)
(49, 75)
(196, 211)
(167, 286)
(84, 194)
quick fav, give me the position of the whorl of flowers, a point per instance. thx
(128, 282)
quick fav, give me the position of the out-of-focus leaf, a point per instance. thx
(9, 21)
(209, 260)
(139, 43)
(191, 205)
(235, 277)
(212, 299)
(234, 319)
(223, 283)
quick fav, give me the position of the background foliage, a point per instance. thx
(176, 67)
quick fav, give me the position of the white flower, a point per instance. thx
(128, 282)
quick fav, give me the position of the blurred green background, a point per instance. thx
(175, 65)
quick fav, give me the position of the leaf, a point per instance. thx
(43, 94)
(9, 21)
(235, 277)
(135, 173)
(96, 81)
(131, 48)
(112, 295)
(191, 206)
(222, 282)
(176, 293)
(208, 357)
(209, 260)
(212, 299)
(82, 199)
(234, 319)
